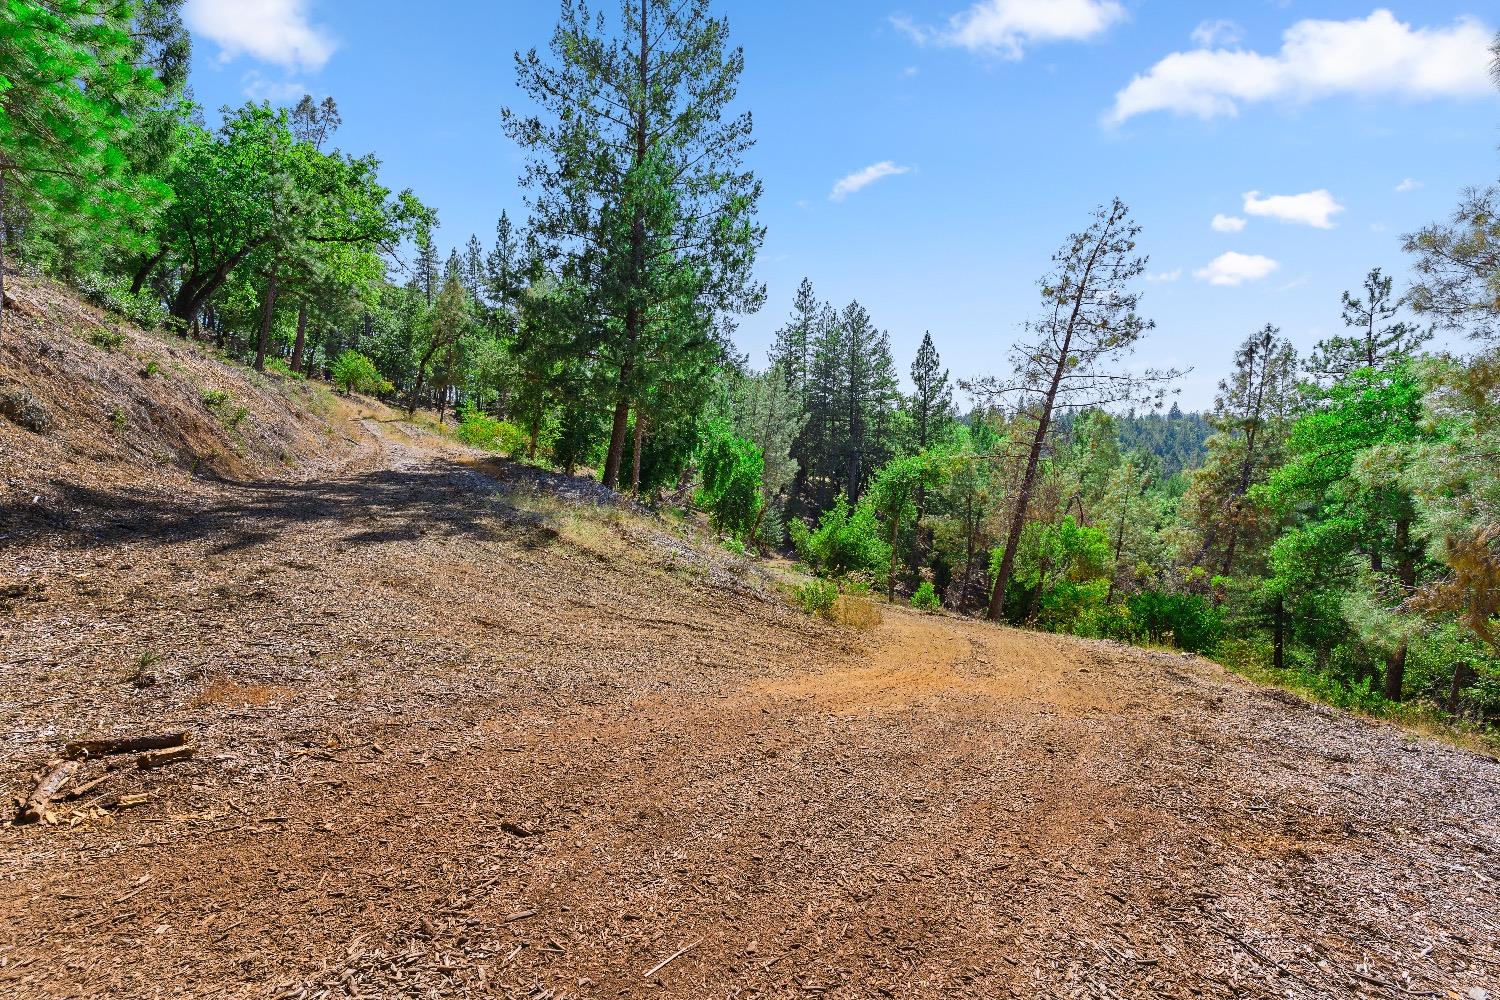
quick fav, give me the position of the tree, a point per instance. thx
(893, 495)
(1457, 265)
(1252, 414)
(1377, 342)
(932, 404)
(69, 74)
(767, 415)
(1090, 323)
(630, 121)
(444, 327)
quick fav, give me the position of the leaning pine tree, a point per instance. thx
(1075, 359)
(646, 96)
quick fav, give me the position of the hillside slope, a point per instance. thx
(467, 729)
(91, 405)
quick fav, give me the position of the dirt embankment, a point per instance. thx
(462, 731)
(92, 408)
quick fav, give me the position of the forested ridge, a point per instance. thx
(1332, 523)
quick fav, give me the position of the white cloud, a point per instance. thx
(258, 88)
(273, 31)
(1165, 277)
(1221, 32)
(1313, 208)
(864, 178)
(1374, 56)
(1236, 269)
(1407, 185)
(1007, 27)
(1227, 223)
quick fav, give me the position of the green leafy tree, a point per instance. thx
(732, 467)
(893, 495)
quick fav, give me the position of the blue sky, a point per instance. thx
(985, 132)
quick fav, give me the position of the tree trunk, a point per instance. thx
(1456, 688)
(615, 456)
(890, 582)
(298, 348)
(535, 432)
(1406, 575)
(635, 458)
(633, 317)
(143, 273)
(1395, 673)
(264, 340)
(1023, 497)
(2, 254)
(969, 530)
(1278, 635)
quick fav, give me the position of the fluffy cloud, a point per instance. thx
(1007, 27)
(1373, 56)
(1164, 277)
(258, 88)
(861, 179)
(1236, 269)
(1227, 223)
(273, 31)
(1313, 208)
(1408, 185)
(1220, 32)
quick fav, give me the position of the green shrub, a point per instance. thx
(1107, 621)
(353, 372)
(736, 546)
(817, 597)
(846, 541)
(1186, 620)
(482, 431)
(215, 398)
(150, 370)
(280, 367)
(732, 468)
(109, 340)
(926, 598)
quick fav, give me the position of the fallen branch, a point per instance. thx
(672, 957)
(161, 758)
(34, 807)
(124, 744)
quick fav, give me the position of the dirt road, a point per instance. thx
(458, 739)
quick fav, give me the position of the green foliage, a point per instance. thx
(925, 597)
(483, 431)
(107, 340)
(846, 541)
(281, 368)
(731, 492)
(817, 597)
(353, 372)
(1186, 621)
(150, 370)
(215, 398)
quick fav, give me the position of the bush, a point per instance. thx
(483, 431)
(846, 541)
(23, 409)
(280, 367)
(353, 372)
(1186, 620)
(108, 340)
(817, 597)
(1108, 621)
(926, 598)
(732, 469)
(150, 370)
(215, 398)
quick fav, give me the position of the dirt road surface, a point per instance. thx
(457, 738)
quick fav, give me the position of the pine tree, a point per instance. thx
(1252, 416)
(69, 74)
(933, 402)
(1090, 323)
(867, 397)
(634, 128)
(1377, 342)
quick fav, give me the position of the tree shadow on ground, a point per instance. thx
(446, 500)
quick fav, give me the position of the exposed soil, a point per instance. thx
(464, 733)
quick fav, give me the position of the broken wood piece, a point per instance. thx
(523, 915)
(88, 786)
(124, 744)
(672, 957)
(34, 806)
(517, 830)
(161, 758)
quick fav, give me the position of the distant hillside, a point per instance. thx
(1175, 437)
